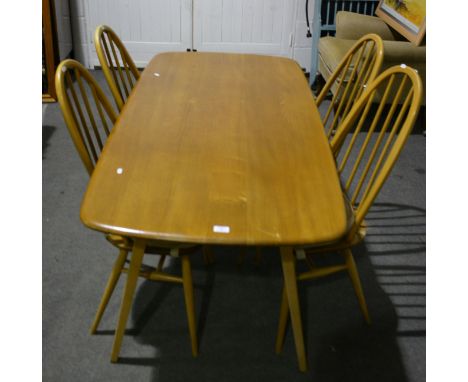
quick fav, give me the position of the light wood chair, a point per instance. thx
(89, 117)
(119, 69)
(357, 69)
(364, 163)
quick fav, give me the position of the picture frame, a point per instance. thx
(50, 56)
(407, 17)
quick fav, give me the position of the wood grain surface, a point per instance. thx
(211, 139)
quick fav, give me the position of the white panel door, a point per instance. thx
(146, 27)
(247, 26)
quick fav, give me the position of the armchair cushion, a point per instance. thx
(332, 50)
(351, 27)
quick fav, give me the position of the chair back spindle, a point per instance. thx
(119, 69)
(356, 70)
(87, 111)
(368, 142)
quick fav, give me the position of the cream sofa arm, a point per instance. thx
(352, 26)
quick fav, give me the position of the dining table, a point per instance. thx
(220, 149)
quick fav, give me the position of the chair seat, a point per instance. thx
(154, 247)
(331, 52)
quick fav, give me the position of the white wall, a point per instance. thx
(64, 37)
(84, 50)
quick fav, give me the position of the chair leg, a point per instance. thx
(132, 277)
(189, 304)
(283, 321)
(161, 263)
(208, 257)
(288, 261)
(353, 274)
(110, 286)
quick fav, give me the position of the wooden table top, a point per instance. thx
(218, 148)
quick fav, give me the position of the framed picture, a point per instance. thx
(50, 58)
(408, 17)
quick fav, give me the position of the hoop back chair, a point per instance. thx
(357, 69)
(76, 87)
(364, 161)
(119, 69)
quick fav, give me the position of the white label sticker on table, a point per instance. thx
(221, 228)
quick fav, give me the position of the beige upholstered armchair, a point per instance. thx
(352, 26)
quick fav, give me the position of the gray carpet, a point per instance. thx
(237, 306)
